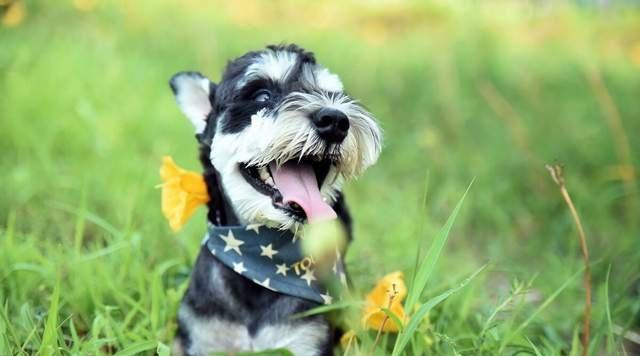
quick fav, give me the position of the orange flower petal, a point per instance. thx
(14, 14)
(389, 293)
(182, 193)
(347, 338)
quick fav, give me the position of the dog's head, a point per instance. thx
(281, 133)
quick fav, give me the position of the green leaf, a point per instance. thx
(428, 263)
(575, 343)
(543, 306)
(163, 350)
(405, 336)
(276, 352)
(138, 348)
(50, 336)
(6, 330)
(327, 308)
(393, 317)
(74, 334)
(610, 336)
(535, 349)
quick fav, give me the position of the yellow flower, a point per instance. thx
(14, 13)
(347, 339)
(85, 5)
(182, 193)
(388, 293)
(635, 54)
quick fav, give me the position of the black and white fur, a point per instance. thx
(261, 111)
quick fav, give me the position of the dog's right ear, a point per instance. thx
(194, 94)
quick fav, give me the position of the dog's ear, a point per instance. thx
(194, 94)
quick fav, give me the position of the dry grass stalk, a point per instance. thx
(505, 111)
(629, 335)
(394, 292)
(556, 173)
(614, 121)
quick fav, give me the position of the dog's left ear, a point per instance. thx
(194, 94)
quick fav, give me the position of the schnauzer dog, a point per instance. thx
(278, 137)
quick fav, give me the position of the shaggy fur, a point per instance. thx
(265, 111)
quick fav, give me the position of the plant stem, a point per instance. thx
(386, 318)
(556, 173)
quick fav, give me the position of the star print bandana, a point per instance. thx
(273, 259)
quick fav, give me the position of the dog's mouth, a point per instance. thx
(294, 186)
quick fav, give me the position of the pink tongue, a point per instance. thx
(298, 184)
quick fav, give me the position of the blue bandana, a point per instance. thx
(273, 259)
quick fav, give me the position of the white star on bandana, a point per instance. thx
(231, 243)
(264, 283)
(239, 267)
(270, 258)
(268, 251)
(326, 298)
(308, 276)
(254, 227)
(282, 269)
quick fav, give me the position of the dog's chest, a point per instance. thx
(274, 259)
(213, 334)
(223, 311)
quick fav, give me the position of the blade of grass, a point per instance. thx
(89, 216)
(556, 172)
(35, 328)
(275, 352)
(8, 330)
(156, 302)
(138, 348)
(535, 349)
(575, 343)
(428, 263)
(49, 343)
(543, 306)
(393, 317)
(405, 336)
(74, 335)
(392, 295)
(327, 308)
(515, 292)
(610, 336)
(80, 221)
(163, 350)
(10, 229)
(421, 229)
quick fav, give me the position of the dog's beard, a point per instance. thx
(286, 134)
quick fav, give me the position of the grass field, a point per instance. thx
(485, 93)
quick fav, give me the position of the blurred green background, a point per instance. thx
(489, 91)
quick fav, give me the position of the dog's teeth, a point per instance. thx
(270, 181)
(264, 175)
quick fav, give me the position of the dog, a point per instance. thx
(278, 137)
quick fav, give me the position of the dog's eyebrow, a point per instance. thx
(295, 72)
(273, 64)
(251, 86)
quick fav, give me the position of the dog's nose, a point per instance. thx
(332, 125)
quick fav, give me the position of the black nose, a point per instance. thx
(332, 125)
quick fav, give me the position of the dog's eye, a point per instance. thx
(262, 95)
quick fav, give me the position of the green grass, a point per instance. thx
(464, 92)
